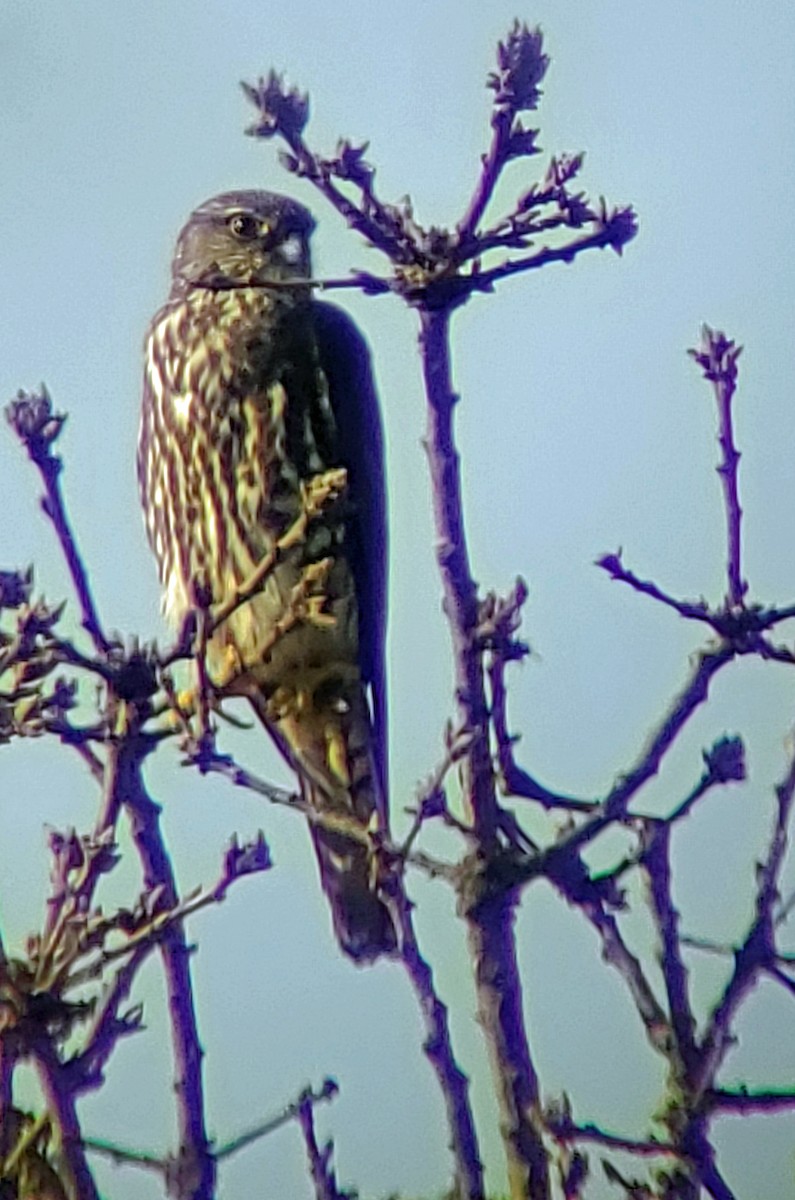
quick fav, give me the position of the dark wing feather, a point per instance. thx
(345, 360)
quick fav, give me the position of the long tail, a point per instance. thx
(327, 737)
(362, 922)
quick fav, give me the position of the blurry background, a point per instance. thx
(583, 427)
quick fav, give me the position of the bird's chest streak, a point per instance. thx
(242, 397)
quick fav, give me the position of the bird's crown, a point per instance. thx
(243, 238)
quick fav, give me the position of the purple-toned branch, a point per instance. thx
(490, 921)
(60, 1101)
(289, 1113)
(492, 949)
(693, 695)
(164, 1166)
(757, 951)
(746, 1101)
(429, 263)
(709, 1177)
(468, 1169)
(284, 111)
(78, 864)
(656, 862)
(210, 762)
(522, 65)
(320, 1165)
(616, 804)
(613, 565)
(566, 1130)
(725, 763)
(85, 1070)
(515, 780)
(783, 978)
(32, 418)
(194, 1173)
(371, 285)
(717, 356)
(618, 228)
(459, 591)
(616, 952)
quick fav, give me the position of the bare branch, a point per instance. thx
(717, 356)
(37, 425)
(289, 1113)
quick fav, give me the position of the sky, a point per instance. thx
(583, 427)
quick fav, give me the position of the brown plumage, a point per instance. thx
(250, 392)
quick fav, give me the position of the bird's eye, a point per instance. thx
(244, 226)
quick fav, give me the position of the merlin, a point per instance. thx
(251, 391)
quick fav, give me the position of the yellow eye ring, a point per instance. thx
(244, 226)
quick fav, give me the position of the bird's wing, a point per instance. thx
(345, 361)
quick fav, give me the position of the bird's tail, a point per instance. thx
(362, 922)
(326, 733)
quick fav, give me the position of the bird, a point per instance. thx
(252, 390)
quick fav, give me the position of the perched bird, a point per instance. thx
(250, 392)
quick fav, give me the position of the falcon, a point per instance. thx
(251, 391)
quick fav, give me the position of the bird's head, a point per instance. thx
(246, 238)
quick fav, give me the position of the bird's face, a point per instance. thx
(244, 238)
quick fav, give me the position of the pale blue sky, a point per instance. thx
(583, 427)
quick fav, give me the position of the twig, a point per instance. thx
(724, 763)
(747, 1101)
(317, 494)
(431, 801)
(338, 822)
(371, 285)
(120, 1155)
(60, 1102)
(656, 863)
(717, 356)
(195, 1169)
(615, 230)
(164, 1166)
(617, 954)
(285, 112)
(320, 1166)
(521, 67)
(289, 1113)
(515, 780)
(460, 597)
(32, 418)
(77, 867)
(454, 1084)
(566, 1130)
(85, 1070)
(757, 951)
(690, 610)
(742, 626)
(615, 806)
